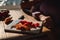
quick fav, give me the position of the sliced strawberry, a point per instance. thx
(33, 26)
(37, 24)
(23, 22)
(26, 23)
(30, 23)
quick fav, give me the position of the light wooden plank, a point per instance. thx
(15, 14)
(19, 13)
(11, 35)
(2, 32)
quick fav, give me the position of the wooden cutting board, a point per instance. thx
(16, 14)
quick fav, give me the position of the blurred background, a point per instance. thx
(10, 4)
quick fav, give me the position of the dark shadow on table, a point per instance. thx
(42, 36)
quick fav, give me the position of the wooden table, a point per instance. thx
(16, 14)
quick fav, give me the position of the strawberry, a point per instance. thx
(30, 23)
(33, 26)
(37, 24)
(23, 22)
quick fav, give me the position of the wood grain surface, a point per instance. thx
(16, 14)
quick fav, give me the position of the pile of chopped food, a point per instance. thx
(4, 14)
(25, 25)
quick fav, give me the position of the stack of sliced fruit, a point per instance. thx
(25, 25)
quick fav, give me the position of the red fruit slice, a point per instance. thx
(26, 24)
(33, 26)
(37, 24)
(23, 22)
(30, 23)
